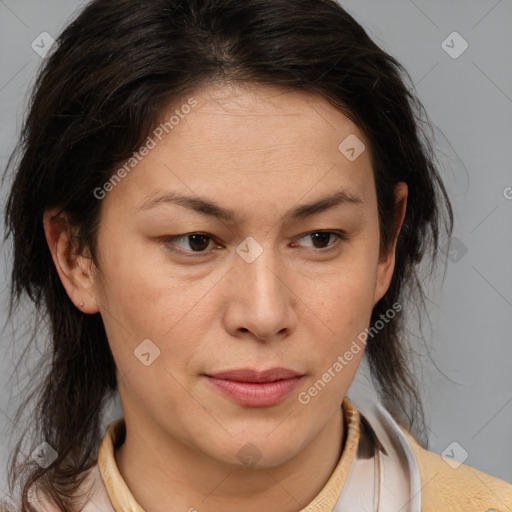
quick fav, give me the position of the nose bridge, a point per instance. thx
(261, 267)
(261, 286)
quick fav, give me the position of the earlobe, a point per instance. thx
(75, 270)
(387, 265)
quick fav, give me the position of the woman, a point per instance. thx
(221, 206)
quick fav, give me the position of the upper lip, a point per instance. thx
(251, 375)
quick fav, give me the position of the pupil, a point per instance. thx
(322, 237)
(195, 245)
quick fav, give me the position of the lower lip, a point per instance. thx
(256, 394)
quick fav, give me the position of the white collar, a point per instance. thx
(386, 458)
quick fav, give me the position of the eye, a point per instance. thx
(197, 244)
(192, 242)
(322, 238)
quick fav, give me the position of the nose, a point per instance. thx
(260, 302)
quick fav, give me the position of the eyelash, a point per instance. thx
(168, 241)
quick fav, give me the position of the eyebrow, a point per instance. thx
(212, 209)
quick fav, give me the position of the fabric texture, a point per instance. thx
(458, 488)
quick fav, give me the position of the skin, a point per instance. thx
(259, 151)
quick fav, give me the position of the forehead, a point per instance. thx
(269, 119)
(252, 144)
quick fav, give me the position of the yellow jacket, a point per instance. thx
(461, 489)
(408, 477)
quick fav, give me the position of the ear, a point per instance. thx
(386, 264)
(75, 270)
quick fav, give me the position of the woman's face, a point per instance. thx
(260, 290)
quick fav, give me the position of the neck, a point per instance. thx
(165, 475)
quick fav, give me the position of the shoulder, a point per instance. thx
(91, 497)
(437, 484)
(457, 487)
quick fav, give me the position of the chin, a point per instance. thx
(262, 448)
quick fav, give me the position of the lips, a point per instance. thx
(249, 375)
(253, 388)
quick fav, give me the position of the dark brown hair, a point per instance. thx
(97, 98)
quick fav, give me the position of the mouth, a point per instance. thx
(253, 388)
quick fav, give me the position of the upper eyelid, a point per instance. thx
(298, 237)
(339, 235)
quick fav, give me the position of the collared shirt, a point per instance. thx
(122, 499)
(419, 479)
(109, 492)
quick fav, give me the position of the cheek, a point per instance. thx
(142, 301)
(346, 297)
(133, 284)
(344, 303)
(335, 359)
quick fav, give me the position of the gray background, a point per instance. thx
(467, 374)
